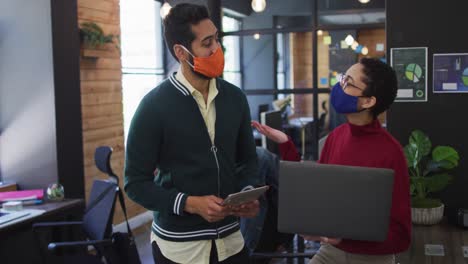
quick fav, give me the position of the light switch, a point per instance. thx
(434, 250)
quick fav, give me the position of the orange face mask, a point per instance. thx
(211, 66)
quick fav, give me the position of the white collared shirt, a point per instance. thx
(208, 109)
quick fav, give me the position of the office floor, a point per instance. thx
(142, 240)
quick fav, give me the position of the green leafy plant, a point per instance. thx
(55, 192)
(92, 35)
(428, 170)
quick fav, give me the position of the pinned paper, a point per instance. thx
(379, 47)
(323, 81)
(410, 65)
(359, 48)
(327, 40)
(450, 73)
(343, 44)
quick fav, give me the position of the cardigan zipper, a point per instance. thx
(214, 149)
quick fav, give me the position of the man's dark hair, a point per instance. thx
(381, 83)
(178, 25)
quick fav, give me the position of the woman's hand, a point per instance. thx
(271, 133)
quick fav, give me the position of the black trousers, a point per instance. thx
(240, 258)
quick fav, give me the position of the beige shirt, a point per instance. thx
(208, 109)
(198, 252)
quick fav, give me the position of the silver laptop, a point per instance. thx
(335, 201)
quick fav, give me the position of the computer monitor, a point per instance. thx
(262, 108)
(272, 119)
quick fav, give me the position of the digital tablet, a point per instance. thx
(245, 196)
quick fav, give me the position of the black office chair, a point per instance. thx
(102, 157)
(271, 238)
(96, 226)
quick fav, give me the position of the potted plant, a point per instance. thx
(428, 172)
(92, 36)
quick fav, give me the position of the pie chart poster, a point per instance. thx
(451, 73)
(410, 65)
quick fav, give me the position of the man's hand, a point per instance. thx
(246, 210)
(328, 240)
(208, 207)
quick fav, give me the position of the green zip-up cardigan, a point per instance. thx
(168, 133)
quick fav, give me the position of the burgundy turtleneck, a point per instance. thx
(370, 146)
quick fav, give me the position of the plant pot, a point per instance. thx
(427, 216)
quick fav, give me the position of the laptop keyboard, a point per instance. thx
(8, 217)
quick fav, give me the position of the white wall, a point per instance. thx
(27, 110)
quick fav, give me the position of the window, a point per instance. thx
(232, 66)
(142, 52)
(281, 63)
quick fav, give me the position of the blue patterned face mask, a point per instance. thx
(342, 102)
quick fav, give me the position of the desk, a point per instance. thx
(300, 122)
(17, 243)
(452, 239)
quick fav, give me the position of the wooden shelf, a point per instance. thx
(100, 53)
(92, 54)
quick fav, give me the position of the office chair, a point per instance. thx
(96, 225)
(102, 157)
(264, 249)
(271, 238)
